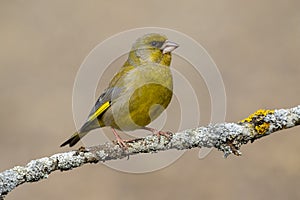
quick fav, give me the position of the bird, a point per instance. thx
(137, 94)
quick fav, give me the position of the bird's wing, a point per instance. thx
(104, 102)
(112, 92)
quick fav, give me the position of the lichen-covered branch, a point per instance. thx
(226, 137)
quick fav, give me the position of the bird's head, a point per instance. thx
(153, 47)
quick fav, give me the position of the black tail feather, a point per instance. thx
(72, 140)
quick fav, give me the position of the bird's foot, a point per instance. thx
(122, 143)
(158, 133)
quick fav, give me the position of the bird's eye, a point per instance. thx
(154, 43)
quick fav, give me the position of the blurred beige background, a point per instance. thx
(255, 45)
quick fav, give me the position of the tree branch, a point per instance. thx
(226, 137)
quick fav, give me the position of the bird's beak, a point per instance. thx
(168, 46)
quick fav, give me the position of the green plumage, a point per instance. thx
(138, 93)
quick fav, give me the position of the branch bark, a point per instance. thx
(226, 137)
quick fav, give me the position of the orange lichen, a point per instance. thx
(257, 120)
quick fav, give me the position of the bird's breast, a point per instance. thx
(147, 92)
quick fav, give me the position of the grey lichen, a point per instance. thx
(226, 137)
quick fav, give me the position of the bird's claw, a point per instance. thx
(121, 143)
(158, 133)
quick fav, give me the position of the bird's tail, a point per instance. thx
(74, 139)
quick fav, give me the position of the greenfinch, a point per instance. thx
(137, 94)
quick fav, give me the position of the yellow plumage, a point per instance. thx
(138, 93)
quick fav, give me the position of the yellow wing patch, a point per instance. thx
(100, 110)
